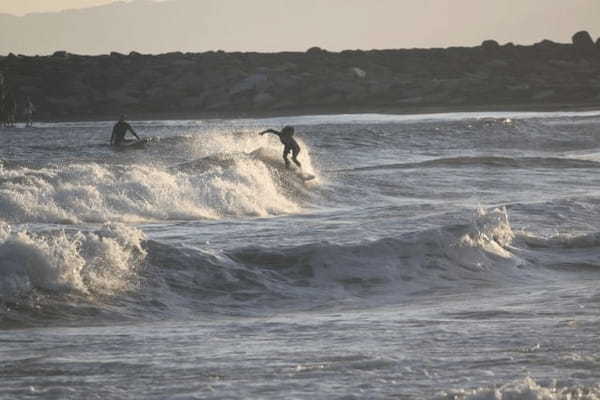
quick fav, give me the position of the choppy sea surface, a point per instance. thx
(446, 256)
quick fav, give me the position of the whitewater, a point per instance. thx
(441, 256)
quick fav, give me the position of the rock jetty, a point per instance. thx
(492, 76)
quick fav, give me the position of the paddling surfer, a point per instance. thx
(289, 144)
(119, 131)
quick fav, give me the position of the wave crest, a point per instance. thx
(523, 389)
(100, 262)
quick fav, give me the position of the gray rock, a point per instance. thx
(69, 85)
(316, 51)
(331, 100)
(497, 64)
(253, 82)
(544, 94)
(490, 46)
(546, 44)
(357, 72)
(189, 83)
(262, 99)
(195, 103)
(583, 43)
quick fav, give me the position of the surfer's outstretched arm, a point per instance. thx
(270, 131)
(133, 132)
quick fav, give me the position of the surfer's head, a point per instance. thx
(288, 129)
(122, 118)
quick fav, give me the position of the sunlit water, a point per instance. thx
(433, 256)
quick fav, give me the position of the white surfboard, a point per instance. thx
(305, 176)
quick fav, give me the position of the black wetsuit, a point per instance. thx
(289, 145)
(119, 131)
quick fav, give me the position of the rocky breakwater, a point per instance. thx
(493, 76)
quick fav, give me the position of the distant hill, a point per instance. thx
(290, 25)
(179, 25)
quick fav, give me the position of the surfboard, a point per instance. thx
(305, 176)
(139, 144)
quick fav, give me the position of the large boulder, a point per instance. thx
(258, 82)
(546, 45)
(316, 51)
(262, 99)
(583, 43)
(60, 54)
(490, 46)
(548, 49)
(358, 73)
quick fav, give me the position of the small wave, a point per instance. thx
(417, 262)
(422, 260)
(523, 389)
(256, 279)
(60, 276)
(148, 279)
(115, 272)
(87, 262)
(564, 241)
(487, 161)
(572, 256)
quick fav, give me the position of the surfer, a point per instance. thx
(29, 110)
(119, 131)
(289, 144)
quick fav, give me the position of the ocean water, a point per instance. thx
(446, 256)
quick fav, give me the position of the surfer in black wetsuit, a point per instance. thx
(289, 144)
(119, 131)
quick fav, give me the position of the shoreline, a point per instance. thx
(387, 110)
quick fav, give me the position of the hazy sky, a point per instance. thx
(276, 25)
(20, 7)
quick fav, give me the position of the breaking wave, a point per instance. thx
(115, 272)
(89, 263)
(231, 184)
(526, 388)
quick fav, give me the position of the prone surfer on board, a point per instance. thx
(289, 144)
(119, 131)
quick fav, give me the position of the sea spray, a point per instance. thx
(485, 240)
(96, 193)
(526, 388)
(102, 262)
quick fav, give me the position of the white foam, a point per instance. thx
(141, 193)
(247, 188)
(484, 244)
(526, 389)
(92, 263)
(246, 141)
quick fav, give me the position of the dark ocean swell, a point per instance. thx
(115, 274)
(488, 161)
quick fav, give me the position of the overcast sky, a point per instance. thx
(276, 25)
(21, 7)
